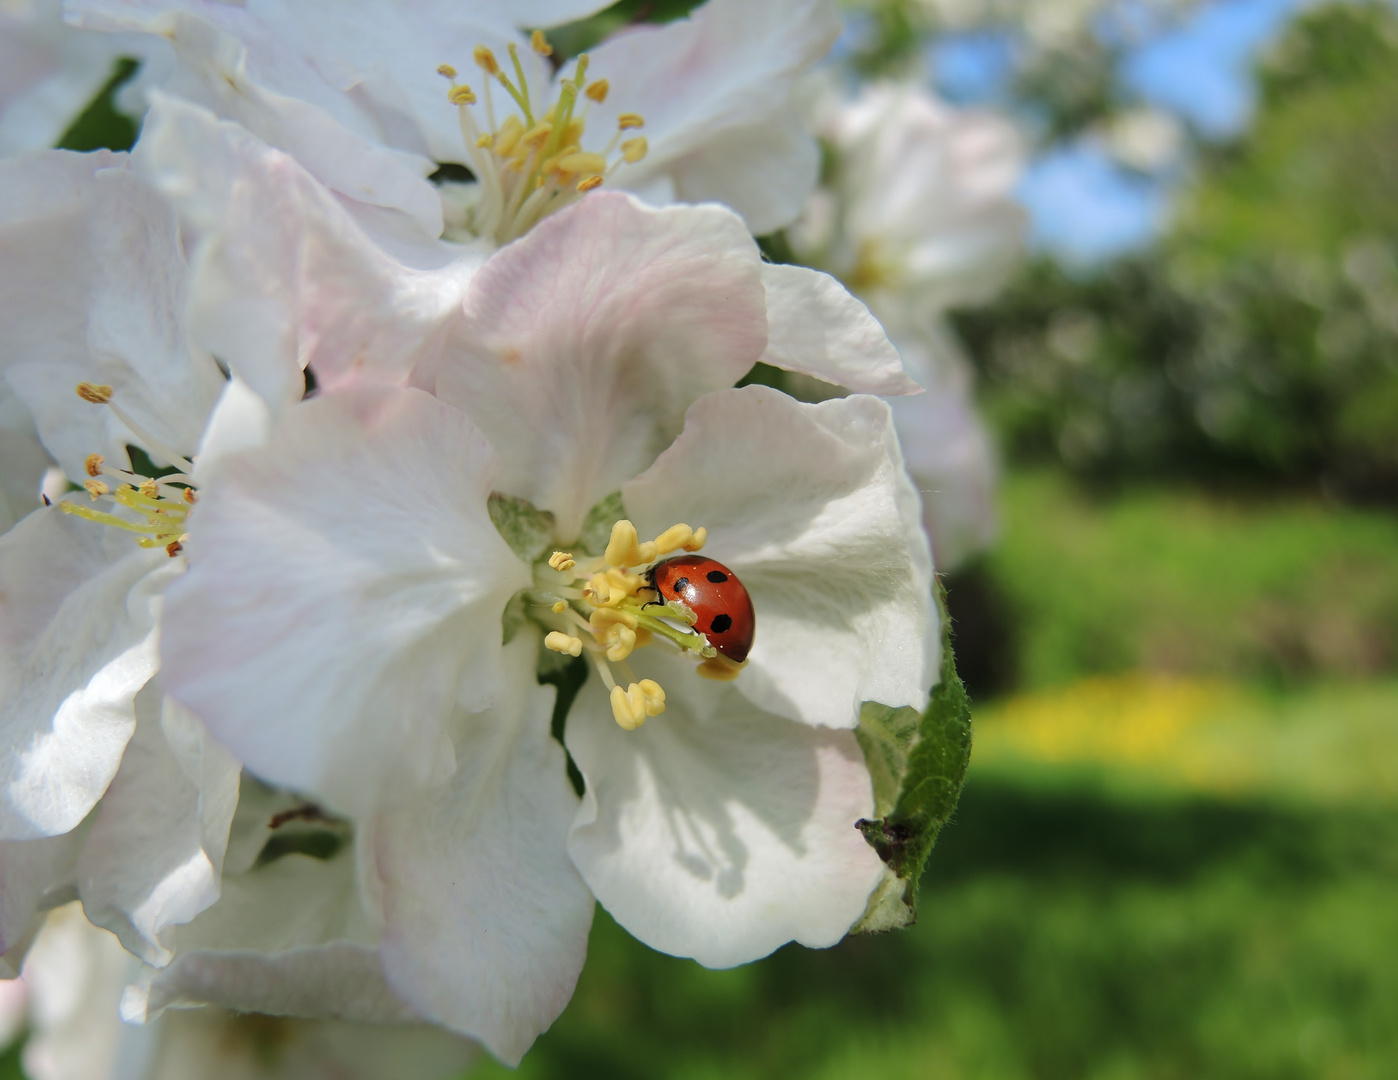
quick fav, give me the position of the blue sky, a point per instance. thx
(1084, 207)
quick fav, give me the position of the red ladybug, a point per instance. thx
(714, 593)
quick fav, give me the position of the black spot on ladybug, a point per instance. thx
(718, 577)
(721, 623)
(680, 584)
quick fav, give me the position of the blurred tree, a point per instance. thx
(1261, 338)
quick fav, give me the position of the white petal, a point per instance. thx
(75, 973)
(155, 851)
(715, 90)
(212, 1044)
(816, 327)
(810, 506)
(77, 641)
(719, 831)
(34, 874)
(23, 466)
(344, 579)
(948, 450)
(486, 918)
(584, 342)
(286, 276)
(288, 939)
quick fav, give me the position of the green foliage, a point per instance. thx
(100, 125)
(918, 767)
(1262, 339)
(1176, 581)
(597, 526)
(526, 529)
(589, 33)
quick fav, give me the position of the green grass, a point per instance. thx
(1181, 582)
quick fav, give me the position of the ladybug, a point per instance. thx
(714, 593)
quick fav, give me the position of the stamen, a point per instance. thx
(486, 59)
(97, 488)
(96, 393)
(461, 95)
(589, 184)
(540, 44)
(94, 464)
(562, 561)
(583, 163)
(563, 643)
(628, 120)
(559, 607)
(597, 91)
(446, 71)
(633, 150)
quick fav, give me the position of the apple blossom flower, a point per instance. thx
(918, 217)
(340, 626)
(702, 108)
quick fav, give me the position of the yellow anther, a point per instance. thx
(633, 150)
(561, 561)
(486, 59)
(559, 607)
(540, 44)
(97, 393)
(621, 640)
(582, 163)
(673, 539)
(508, 135)
(605, 618)
(173, 548)
(485, 142)
(697, 541)
(654, 696)
(537, 135)
(597, 91)
(626, 582)
(563, 643)
(96, 488)
(622, 543)
(600, 591)
(446, 71)
(628, 709)
(629, 120)
(461, 95)
(150, 489)
(94, 464)
(590, 183)
(720, 669)
(190, 496)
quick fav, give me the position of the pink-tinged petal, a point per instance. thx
(486, 918)
(816, 327)
(344, 580)
(584, 342)
(285, 275)
(77, 641)
(812, 509)
(715, 91)
(717, 830)
(154, 852)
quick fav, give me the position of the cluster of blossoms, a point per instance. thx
(319, 474)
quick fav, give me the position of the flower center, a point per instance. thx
(160, 506)
(610, 606)
(533, 163)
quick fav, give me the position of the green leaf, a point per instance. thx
(527, 530)
(101, 125)
(918, 765)
(597, 526)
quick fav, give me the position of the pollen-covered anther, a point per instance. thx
(676, 538)
(540, 44)
(446, 71)
(486, 59)
(589, 183)
(190, 496)
(173, 548)
(558, 607)
(580, 164)
(597, 91)
(150, 489)
(560, 642)
(96, 393)
(628, 120)
(94, 464)
(97, 488)
(633, 705)
(621, 545)
(633, 150)
(461, 95)
(562, 561)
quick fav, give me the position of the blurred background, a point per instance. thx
(1177, 850)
